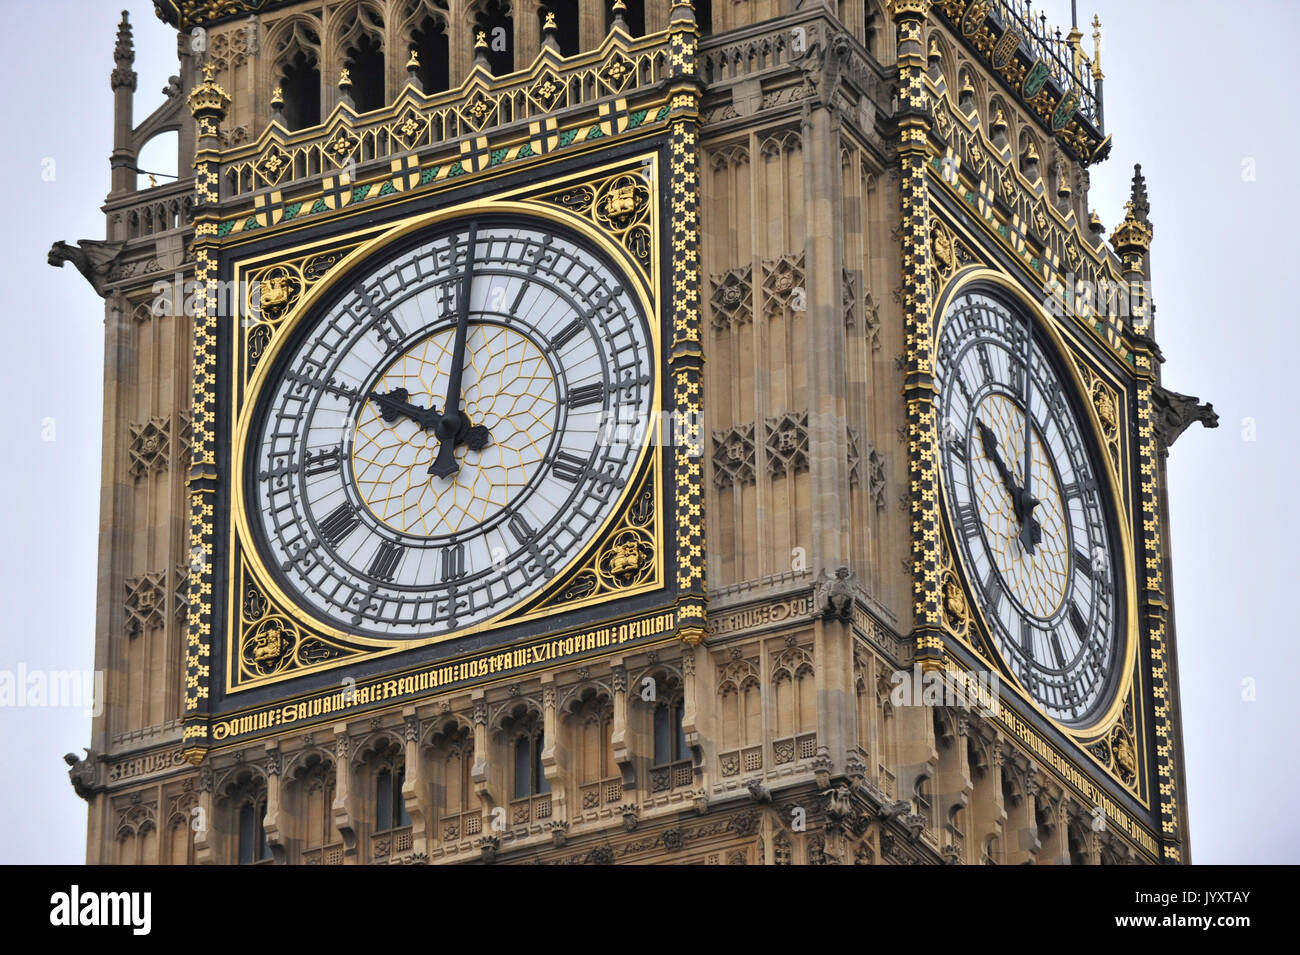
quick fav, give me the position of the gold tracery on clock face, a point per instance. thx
(509, 387)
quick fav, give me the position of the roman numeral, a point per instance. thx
(1018, 375)
(322, 462)
(570, 467)
(519, 527)
(993, 591)
(384, 324)
(587, 395)
(1077, 621)
(338, 524)
(986, 367)
(1076, 489)
(519, 300)
(1026, 638)
(453, 561)
(969, 519)
(527, 537)
(308, 381)
(384, 566)
(1084, 563)
(567, 334)
(1056, 650)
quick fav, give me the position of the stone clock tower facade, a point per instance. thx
(601, 432)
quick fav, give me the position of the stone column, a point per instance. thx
(479, 771)
(619, 733)
(554, 753)
(528, 32)
(415, 787)
(591, 24)
(271, 822)
(204, 836)
(344, 807)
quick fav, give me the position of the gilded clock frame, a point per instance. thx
(1066, 354)
(244, 557)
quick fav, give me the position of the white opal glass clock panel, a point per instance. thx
(363, 536)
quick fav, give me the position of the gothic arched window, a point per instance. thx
(430, 42)
(670, 737)
(390, 807)
(253, 847)
(300, 88)
(633, 16)
(455, 803)
(364, 61)
(494, 21)
(566, 24)
(529, 780)
(704, 16)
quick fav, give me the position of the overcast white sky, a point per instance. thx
(1180, 100)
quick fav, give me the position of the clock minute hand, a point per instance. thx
(1030, 530)
(454, 425)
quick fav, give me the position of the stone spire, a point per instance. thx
(122, 160)
(1138, 196)
(124, 56)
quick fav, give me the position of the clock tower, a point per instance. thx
(592, 431)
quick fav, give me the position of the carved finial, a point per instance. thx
(935, 54)
(277, 98)
(124, 56)
(1029, 161)
(1133, 235)
(682, 13)
(209, 102)
(1138, 195)
(345, 77)
(1095, 225)
(620, 15)
(124, 52)
(549, 29)
(1096, 48)
(966, 96)
(480, 42)
(413, 71)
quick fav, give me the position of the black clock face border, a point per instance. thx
(343, 431)
(1049, 576)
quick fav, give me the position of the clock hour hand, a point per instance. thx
(395, 405)
(989, 442)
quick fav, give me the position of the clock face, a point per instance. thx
(433, 447)
(1038, 553)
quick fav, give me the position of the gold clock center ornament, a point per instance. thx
(510, 389)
